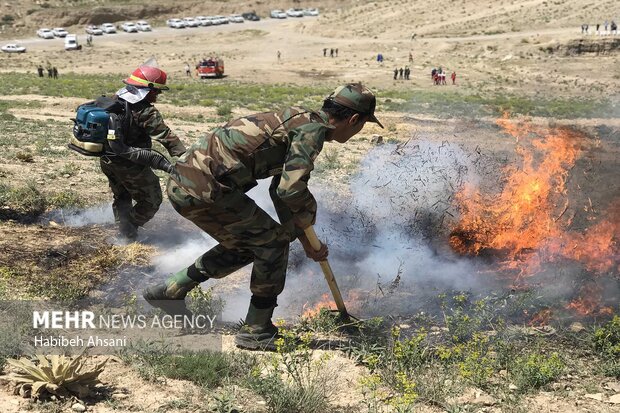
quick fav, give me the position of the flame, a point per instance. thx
(541, 318)
(314, 310)
(522, 222)
(587, 304)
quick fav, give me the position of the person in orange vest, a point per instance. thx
(453, 76)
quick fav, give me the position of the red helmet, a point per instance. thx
(148, 76)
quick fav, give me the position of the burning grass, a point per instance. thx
(525, 226)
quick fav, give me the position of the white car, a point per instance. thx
(108, 28)
(59, 32)
(311, 12)
(278, 14)
(45, 33)
(175, 23)
(190, 22)
(223, 19)
(92, 29)
(143, 26)
(13, 48)
(236, 18)
(295, 13)
(71, 42)
(204, 20)
(129, 27)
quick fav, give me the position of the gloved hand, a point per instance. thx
(316, 255)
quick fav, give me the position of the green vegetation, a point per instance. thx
(536, 370)
(28, 202)
(607, 343)
(61, 376)
(208, 369)
(291, 380)
(253, 96)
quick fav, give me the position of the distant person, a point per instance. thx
(453, 76)
(336, 52)
(395, 73)
(400, 73)
(606, 24)
(331, 52)
(50, 72)
(614, 27)
(410, 57)
(40, 71)
(597, 28)
(279, 56)
(325, 52)
(407, 71)
(380, 58)
(188, 71)
(583, 28)
(443, 78)
(55, 72)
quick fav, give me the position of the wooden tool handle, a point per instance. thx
(329, 274)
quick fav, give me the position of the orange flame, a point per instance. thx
(588, 302)
(521, 223)
(541, 318)
(314, 310)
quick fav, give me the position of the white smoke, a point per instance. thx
(391, 229)
(390, 226)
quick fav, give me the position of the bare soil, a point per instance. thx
(498, 48)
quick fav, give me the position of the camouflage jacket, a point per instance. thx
(279, 144)
(147, 125)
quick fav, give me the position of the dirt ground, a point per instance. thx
(503, 48)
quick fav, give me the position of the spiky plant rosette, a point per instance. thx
(56, 375)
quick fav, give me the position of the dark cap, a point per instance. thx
(356, 97)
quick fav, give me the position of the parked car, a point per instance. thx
(250, 16)
(71, 42)
(59, 32)
(45, 33)
(143, 26)
(204, 20)
(278, 14)
(295, 13)
(236, 18)
(13, 48)
(108, 28)
(175, 23)
(190, 22)
(214, 20)
(311, 12)
(129, 27)
(94, 30)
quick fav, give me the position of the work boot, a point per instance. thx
(258, 332)
(128, 230)
(170, 295)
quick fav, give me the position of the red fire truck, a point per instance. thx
(212, 67)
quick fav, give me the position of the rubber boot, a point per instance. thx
(128, 230)
(258, 332)
(170, 295)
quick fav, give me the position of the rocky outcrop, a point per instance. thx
(598, 46)
(98, 15)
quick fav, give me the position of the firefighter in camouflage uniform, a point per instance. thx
(129, 178)
(209, 189)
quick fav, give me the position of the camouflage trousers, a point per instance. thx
(246, 234)
(129, 183)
